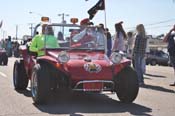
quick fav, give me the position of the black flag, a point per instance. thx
(100, 5)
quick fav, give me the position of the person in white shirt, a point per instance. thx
(119, 37)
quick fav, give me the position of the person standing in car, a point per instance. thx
(119, 37)
(37, 44)
(170, 39)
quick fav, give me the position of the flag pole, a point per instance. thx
(105, 26)
(105, 14)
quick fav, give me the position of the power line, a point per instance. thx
(156, 23)
(159, 27)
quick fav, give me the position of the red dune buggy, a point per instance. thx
(79, 63)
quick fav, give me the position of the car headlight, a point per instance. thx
(63, 57)
(116, 57)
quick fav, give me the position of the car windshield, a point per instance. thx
(76, 37)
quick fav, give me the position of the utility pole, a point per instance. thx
(63, 15)
(16, 32)
(63, 20)
(3, 34)
(31, 28)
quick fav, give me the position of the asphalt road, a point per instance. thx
(156, 98)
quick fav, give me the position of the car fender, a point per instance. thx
(52, 61)
(118, 67)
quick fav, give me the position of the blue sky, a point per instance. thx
(160, 13)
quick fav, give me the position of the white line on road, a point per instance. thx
(2, 74)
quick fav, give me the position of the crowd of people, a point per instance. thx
(133, 44)
(136, 46)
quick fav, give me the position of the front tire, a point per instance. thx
(126, 85)
(20, 80)
(40, 83)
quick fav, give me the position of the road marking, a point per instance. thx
(2, 74)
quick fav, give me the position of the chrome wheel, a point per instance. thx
(40, 84)
(34, 85)
(15, 75)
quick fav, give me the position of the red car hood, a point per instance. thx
(89, 66)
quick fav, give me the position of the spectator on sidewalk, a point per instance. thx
(170, 39)
(109, 41)
(130, 43)
(139, 51)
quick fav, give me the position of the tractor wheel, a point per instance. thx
(40, 83)
(5, 60)
(126, 85)
(0, 61)
(20, 80)
(153, 62)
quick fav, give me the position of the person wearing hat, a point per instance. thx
(83, 37)
(85, 22)
(77, 36)
(119, 37)
(38, 41)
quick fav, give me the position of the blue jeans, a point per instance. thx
(138, 62)
(109, 46)
(172, 60)
(144, 65)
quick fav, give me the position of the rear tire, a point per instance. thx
(40, 83)
(153, 62)
(5, 60)
(126, 85)
(0, 61)
(20, 80)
